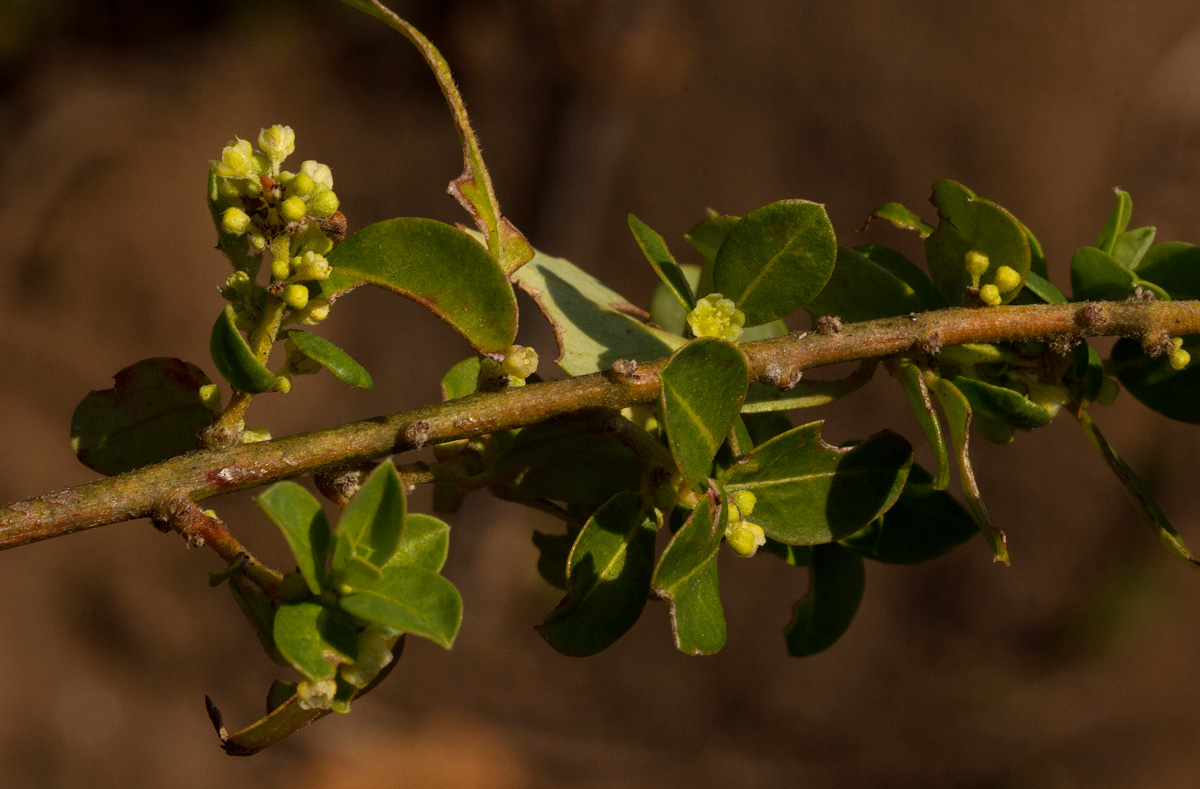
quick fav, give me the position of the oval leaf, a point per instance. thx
(897, 215)
(410, 598)
(1173, 393)
(655, 249)
(686, 577)
(861, 290)
(912, 378)
(425, 542)
(436, 265)
(776, 259)
(154, 411)
(923, 524)
(1118, 220)
(1000, 402)
(702, 390)
(234, 359)
(332, 358)
(836, 579)
(971, 223)
(371, 523)
(314, 639)
(904, 269)
(1175, 267)
(1098, 276)
(810, 493)
(608, 578)
(304, 525)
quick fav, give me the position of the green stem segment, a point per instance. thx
(222, 470)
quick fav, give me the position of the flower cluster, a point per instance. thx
(716, 316)
(743, 537)
(1004, 280)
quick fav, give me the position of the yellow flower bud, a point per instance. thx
(292, 209)
(314, 312)
(322, 202)
(977, 263)
(320, 173)
(520, 362)
(743, 505)
(1179, 359)
(716, 316)
(280, 268)
(745, 538)
(1007, 279)
(301, 185)
(235, 160)
(254, 435)
(295, 296)
(311, 267)
(990, 295)
(316, 694)
(257, 239)
(282, 384)
(277, 142)
(210, 395)
(235, 221)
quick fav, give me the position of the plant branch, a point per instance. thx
(214, 472)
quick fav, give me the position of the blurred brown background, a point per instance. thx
(1076, 667)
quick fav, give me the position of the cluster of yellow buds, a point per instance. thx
(1177, 356)
(1005, 280)
(743, 537)
(716, 316)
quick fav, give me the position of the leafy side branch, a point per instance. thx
(205, 474)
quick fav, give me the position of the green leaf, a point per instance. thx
(861, 290)
(1044, 289)
(425, 542)
(279, 693)
(284, 720)
(234, 359)
(1098, 276)
(666, 312)
(314, 639)
(901, 217)
(1175, 267)
(1087, 372)
(835, 588)
(655, 250)
(923, 524)
(904, 269)
(1000, 402)
(410, 598)
(473, 189)
(1173, 393)
(332, 358)
(1145, 504)
(608, 578)
(154, 411)
(592, 323)
(702, 389)
(958, 415)
(1118, 220)
(371, 523)
(765, 398)
(686, 577)
(553, 551)
(969, 223)
(436, 265)
(811, 493)
(706, 238)
(1132, 245)
(912, 379)
(776, 259)
(463, 379)
(299, 516)
(562, 461)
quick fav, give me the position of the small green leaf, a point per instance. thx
(410, 598)
(371, 523)
(425, 542)
(314, 639)
(904, 269)
(1098, 276)
(912, 379)
(1044, 289)
(776, 259)
(1173, 266)
(463, 379)
(835, 588)
(1132, 245)
(901, 217)
(436, 265)
(969, 223)
(706, 238)
(702, 389)
(1087, 372)
(1173, 393)
(553, 552)
(1145, 504)
(284, 720)
(958, 415)
(1000, 402)
(861, 290)
(234, 359)
(764, 398)
(1118, 220)
(924, 523)
(300, 517)
(655, 250)
(608, 578)
(686, 577)
(592, 323)
(332, 358)
(154, 411)
(811, 493)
